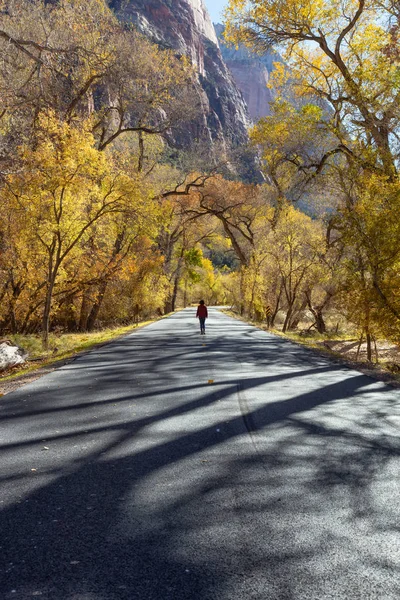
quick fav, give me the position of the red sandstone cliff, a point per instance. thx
(251, 74)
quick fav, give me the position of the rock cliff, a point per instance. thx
(185, 26)
(251, 74)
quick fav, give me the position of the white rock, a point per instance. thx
(11, 356)
(203, 21)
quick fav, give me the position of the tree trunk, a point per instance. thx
(12, 317)
(252, 300)
(177, 279)
(287, 318)
(69, 313)
(185, 294)
(84, 312)
(25, 324)
(94, 313)
(168, 306)
(136, 314)
(359, 345)
(281, 201)
(141, 152)
(175, 291)
(277, 307)
(16, 292)
(296, 318)
(46, 313)
(385, 300)
(317, 314)
(242, 295)
(236, 246)
(319, 320)
(369, 347)
(54, 265)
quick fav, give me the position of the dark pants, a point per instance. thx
(202, 323)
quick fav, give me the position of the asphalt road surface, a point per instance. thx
(174, 466)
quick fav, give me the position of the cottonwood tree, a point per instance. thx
(294, 143)
(344, 54)
(182, 229)
(77, 60)
(294, 245)
(336, 51)
(147, 91)
(237, 206)
(65, 188)
(52, 56)
(73, 65)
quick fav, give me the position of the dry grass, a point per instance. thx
(61, 347)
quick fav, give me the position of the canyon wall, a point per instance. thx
(185, 27)
(251, 74)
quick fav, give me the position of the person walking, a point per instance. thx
(202, 314)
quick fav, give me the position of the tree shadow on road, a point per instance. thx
(144, 495)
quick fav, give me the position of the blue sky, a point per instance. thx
(214, 8)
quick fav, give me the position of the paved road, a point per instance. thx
(128, 475)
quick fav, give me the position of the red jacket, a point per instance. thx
(202, 311)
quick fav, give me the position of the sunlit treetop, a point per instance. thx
(287, 22)
(342, 51)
